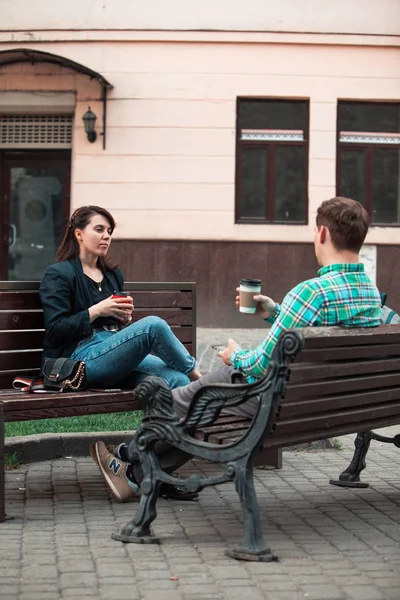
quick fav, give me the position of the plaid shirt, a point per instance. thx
(343, 294)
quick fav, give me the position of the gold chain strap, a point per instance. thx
(78, 378)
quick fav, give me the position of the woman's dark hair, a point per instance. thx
(69, 247)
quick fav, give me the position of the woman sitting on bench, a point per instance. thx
(85, 321)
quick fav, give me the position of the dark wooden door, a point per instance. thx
(34, 209)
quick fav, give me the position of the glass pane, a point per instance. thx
(290, 183)
(273, 114)
(368, 116)
(253, 183)
(352, 174)
(35, 220)
(386, 185)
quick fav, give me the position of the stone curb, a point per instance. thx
(46, 446)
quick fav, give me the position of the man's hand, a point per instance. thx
(227, 353)
(265, 305)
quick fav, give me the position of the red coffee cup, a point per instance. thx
(120, 294)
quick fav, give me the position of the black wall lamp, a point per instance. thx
(89, 119)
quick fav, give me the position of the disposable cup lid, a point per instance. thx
(250, 282)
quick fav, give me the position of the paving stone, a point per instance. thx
(8, 589)
(39, 572)
(317, 592)
(122, 568)
(78, 580)
(364, 592)
(239, 594)
(120, 592)
(166, 595)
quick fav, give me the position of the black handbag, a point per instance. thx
(63, 375)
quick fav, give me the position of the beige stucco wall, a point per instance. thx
(168, 169)
(320, 16)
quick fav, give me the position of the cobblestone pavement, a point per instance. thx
(333, 543)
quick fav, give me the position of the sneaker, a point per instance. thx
(114, 450)
(114, 471)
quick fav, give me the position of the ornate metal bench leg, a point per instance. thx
(351, 476)
(138, 530)
(253, 547)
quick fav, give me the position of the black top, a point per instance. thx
(66, 297)
(99, 295)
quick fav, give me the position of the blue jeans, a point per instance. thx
(122, 358)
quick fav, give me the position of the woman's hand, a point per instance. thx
(265, 305)
(119, 308)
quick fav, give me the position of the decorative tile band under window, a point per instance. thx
(273, 135)
(35, 131)
(357, 137)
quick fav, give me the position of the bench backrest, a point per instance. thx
(21, 320)
(344, 381)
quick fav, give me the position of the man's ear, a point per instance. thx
(323, 234)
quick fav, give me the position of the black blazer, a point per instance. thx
(65, 300)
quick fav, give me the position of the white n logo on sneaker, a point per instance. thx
(114, 466)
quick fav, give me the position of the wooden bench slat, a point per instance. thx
(28, 414)
(20, 340)
(303, 373)
(346, 384)
(48, 400)
(222, 436)
(173, 316)
(340, 384)
(161, 299)
(349, 353)
(356, 415)
(20, 300)
(323, 337)
(6, 378)
(298, 437)
(25, 359)
(142, 299)
(17, 319)
(305, 406)
(219, 428)
(33, 319)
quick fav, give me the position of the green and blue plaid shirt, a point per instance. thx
(340, 295)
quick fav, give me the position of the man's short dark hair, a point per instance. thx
(347, 221)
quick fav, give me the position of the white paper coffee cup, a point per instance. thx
(247, 289)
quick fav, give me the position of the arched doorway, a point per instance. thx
(36, 138)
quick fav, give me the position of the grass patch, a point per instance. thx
(337, 444)
(11, 461)
(112, 422)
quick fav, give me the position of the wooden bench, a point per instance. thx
(21, 337)
(342, 381)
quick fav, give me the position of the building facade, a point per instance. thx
(220, 128)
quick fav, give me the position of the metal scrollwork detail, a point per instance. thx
(292, 342)
(230, 470)
(159, 419)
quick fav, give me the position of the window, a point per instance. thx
(271, 161)
(369, 158)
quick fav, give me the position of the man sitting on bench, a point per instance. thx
(342, 294)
